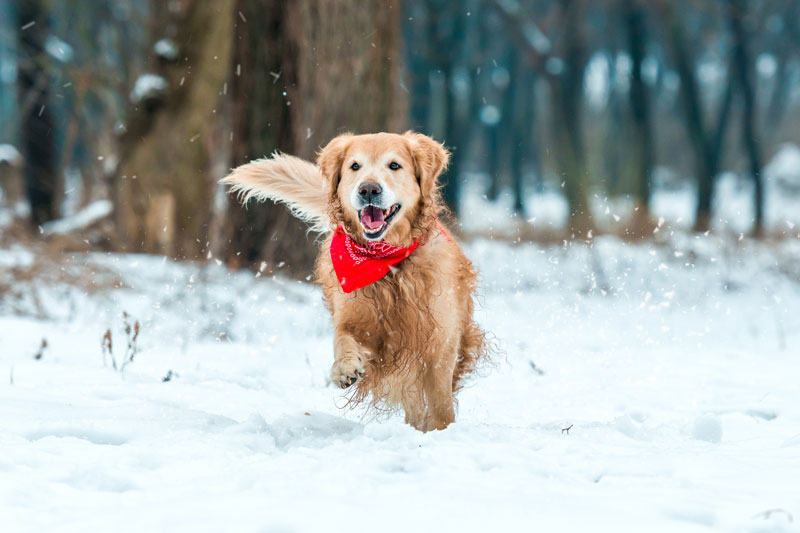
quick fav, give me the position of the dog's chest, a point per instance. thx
(400, 299)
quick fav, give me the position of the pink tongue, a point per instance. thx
(372, 217)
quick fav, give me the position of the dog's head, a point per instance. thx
(383, 186)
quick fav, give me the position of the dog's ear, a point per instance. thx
(430, 160)
(330, 160)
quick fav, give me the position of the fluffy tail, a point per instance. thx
(287, 179)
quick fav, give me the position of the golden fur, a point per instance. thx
(408, 339)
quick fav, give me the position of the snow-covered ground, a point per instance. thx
(676, 366)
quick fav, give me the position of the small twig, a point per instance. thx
(536, 368)
(566, 430)
(132, 332)
(40, 353)
(769, 512)
(108, 349)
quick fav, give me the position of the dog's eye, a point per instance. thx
(355, 166)
(394, 166)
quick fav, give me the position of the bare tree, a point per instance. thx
(567, 88)
(347, 80)
(785, 46)
(643, 149)
(38, 136)
(706, 144)
(523, 125)
(164, 185)
(262, 71)
(743, 69)
(565, 77)
(451, 30)
(290, 94)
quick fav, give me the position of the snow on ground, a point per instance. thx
(675, 365)
(85, 217)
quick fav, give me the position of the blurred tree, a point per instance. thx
(497, 119)
(299, 80)
(563, 67)
(38, 137)
(642, 140)
(441, 68)
(449, 48)
(163, 187)
(706, 144)
(417, 28)
(567, 85)
(9, 57)
(785, 24)
(743, 68)
(614, 160)
(263, 69)
(586, 84)
(98, 44)
(348, 65)
(522, 113)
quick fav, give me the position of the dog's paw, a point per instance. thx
(347, 370)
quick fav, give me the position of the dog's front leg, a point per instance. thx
(438, 386)
(349, 357)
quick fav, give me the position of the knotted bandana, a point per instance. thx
(358, 265)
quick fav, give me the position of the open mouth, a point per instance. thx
(375, 220)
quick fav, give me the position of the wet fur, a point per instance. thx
(412, 331)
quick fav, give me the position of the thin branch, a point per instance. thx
(525, 32)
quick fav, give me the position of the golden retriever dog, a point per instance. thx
(398, 287)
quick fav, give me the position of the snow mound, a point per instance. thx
(85, 217)
(166, 48)
(9, 154)
(708, 428)
(784, 168)
(148, 87)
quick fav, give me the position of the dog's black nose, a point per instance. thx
(369, 189)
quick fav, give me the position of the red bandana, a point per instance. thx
(358, 265)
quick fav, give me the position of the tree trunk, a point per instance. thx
(38, 137)
(263, 68)
(707, 149)
(456, 139)
(450, 45)
(417, 44)
(568, 128)
(349, 60)
(299, 80)
(615, 125)
(640, 107)
(500, 139)
(785, 50)
(523, 125)
(743, 70)
(163, 188)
